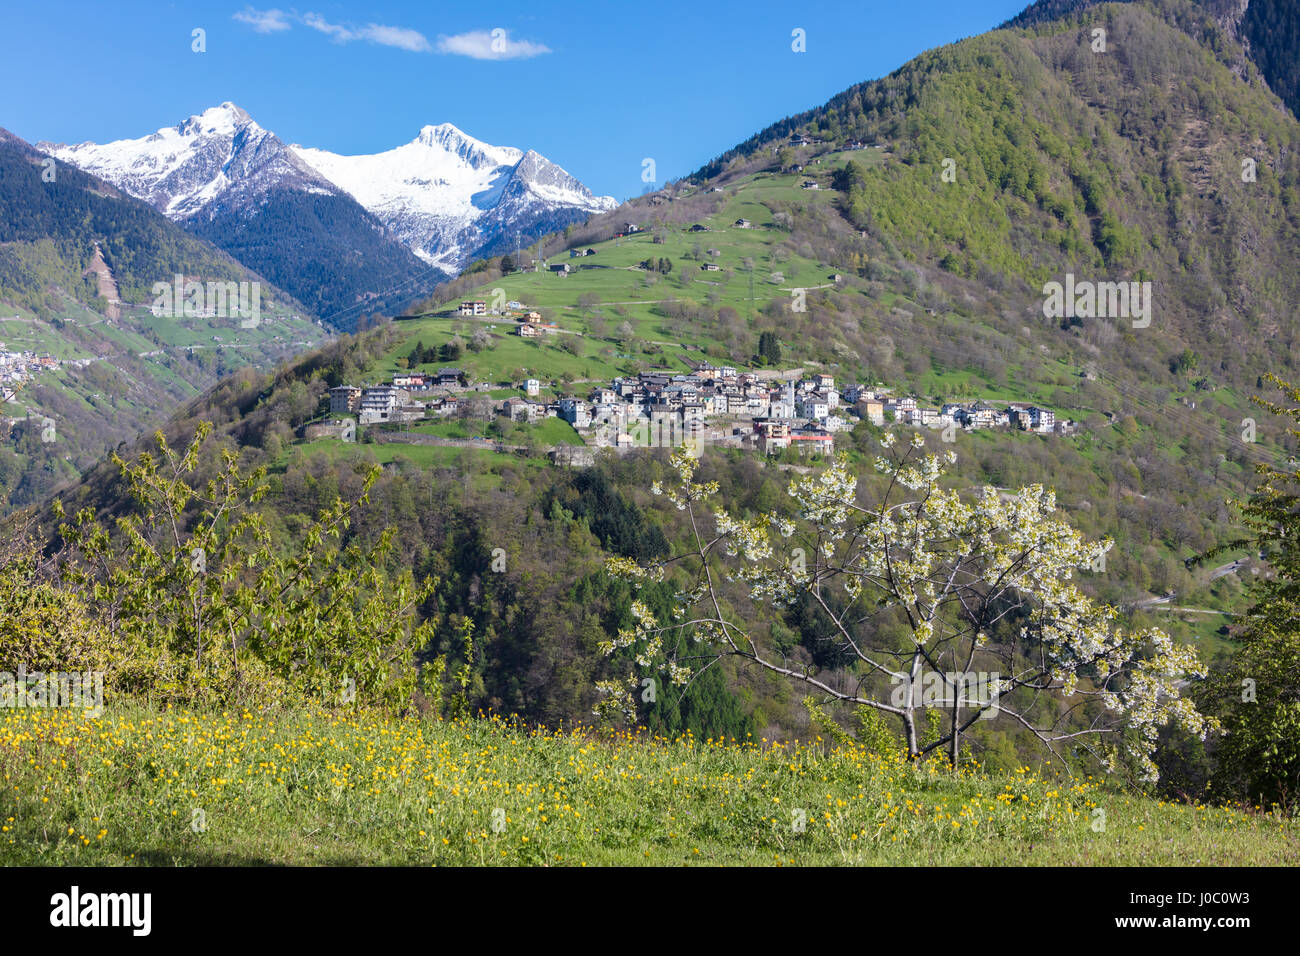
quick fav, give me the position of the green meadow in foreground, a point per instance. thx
(143, 786)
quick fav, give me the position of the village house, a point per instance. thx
(810, 440)
(575, 412)
(532, 386)
(663, 421)
(743, 224)
(522, 410)
(680, 390)
(955, 411)
(384, 403)
(812, 406)
(899, 407)
(438, 406)
(477, 307)
(852, 393)
(981, 415)
(873, 410)
(411, 380)
(615, 415)
(714, 401)
(773, 435)
(1019, 416)
(344, 398)
(449, 378)
(757, 405)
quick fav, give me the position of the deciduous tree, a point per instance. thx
(924, 582)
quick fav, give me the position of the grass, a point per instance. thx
(423, 456)
(628, 295)
(551, 431)
(143, 786)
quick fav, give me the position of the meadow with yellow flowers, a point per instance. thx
(162, 787)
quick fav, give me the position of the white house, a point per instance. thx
(381, 403)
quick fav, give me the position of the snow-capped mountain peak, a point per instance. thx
(218, 157)
(445, 195)
(449, 196)
(221, 120)
(449, 139)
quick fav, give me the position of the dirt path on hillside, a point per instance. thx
(105, 284)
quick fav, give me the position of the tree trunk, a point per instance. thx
(954, 745)
(909, 728)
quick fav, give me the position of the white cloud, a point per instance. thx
(274, 21)
(490, 45)
(400, 37)
(335, 30)
(264, 21)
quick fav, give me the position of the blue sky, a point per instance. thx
(596, 87)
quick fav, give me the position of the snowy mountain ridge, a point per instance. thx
(445, 195)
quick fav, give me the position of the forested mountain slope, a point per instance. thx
(68, 242)
(1268, 30)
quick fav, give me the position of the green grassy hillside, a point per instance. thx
(143, 787)
(117, 377)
